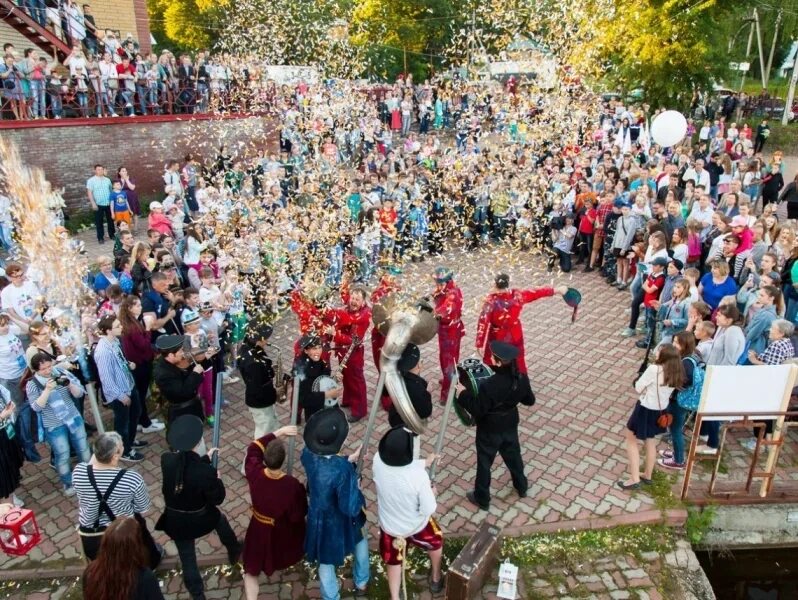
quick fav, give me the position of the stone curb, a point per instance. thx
(671, 518)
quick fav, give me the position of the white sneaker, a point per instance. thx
(153, 428)
(706, 450)
(69, 491)
(749, 445)
(17, 501)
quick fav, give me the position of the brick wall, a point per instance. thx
(67, 153)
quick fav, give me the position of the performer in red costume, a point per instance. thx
(311, 321)
(499, 319)
(449, 311)
(348, 325)
(387, 285)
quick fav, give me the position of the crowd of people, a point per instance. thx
(699, 238)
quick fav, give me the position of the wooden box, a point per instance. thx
(473, 566)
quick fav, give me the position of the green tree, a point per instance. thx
(664, 47)
(395, 32)
(186, 24)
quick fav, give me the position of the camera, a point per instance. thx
(61, 380)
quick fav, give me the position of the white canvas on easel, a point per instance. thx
(749, 389)
(746, 389)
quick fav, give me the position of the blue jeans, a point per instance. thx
(712, 430)
(328, 580)
(38, 103)
(60, 439)
(25, 419)
(83, 103)
(677, 430)
(55, 104)
(102, 101)
(37, 11)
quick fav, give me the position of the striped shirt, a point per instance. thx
(129, 496)
(50, 416)
(112, 369)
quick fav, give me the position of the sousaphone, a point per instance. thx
(403, 320)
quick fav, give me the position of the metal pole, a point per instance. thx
(759, 47)
(217, 419)
(444, 423)
(98, 420)
(294, 415)
(375, 401)
(772, 49)
(791, 91)
(747, 53)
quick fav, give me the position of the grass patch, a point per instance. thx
(661, 490)
(698, 523)
(580, 546)
(782, 137)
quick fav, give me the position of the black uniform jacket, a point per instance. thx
(309, 370)
(178, 386)
(420, 398)
(193, 512)
(495, 408)
(258, 374)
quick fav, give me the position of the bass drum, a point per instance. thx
(471, 373)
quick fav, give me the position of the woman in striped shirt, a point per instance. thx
(119, 387)
(106, 492)
(53, 392)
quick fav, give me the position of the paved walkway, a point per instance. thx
(582, 374)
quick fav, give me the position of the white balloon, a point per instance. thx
(669, 128)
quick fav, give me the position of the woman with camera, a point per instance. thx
(52, 391)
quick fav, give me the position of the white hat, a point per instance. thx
(156, 205)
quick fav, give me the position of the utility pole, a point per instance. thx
(772, 48)
(761, 52)
(791, 91)
(747, 51)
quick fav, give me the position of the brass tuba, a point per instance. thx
(402, 321)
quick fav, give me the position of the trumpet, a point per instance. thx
(281, 378)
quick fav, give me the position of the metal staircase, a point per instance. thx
(20, 20)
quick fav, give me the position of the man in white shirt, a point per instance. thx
(698, 174)
(19, 299)
(405, 505)
(702, 212)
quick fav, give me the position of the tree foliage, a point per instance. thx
(664, 47)
(186, 24)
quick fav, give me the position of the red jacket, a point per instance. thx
(308, 314)
(348, 323)
(500, 314)
(449, 308)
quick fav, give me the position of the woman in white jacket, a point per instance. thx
(655, 387)
(728, 347)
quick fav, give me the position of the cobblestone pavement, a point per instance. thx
(571, 439)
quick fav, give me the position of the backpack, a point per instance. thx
(690, 398)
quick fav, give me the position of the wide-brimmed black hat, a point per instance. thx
(326, 431)
(309, 340)
(503, 351)
(185, 432)
(409, 359)
(166, 344)
(396, 447)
